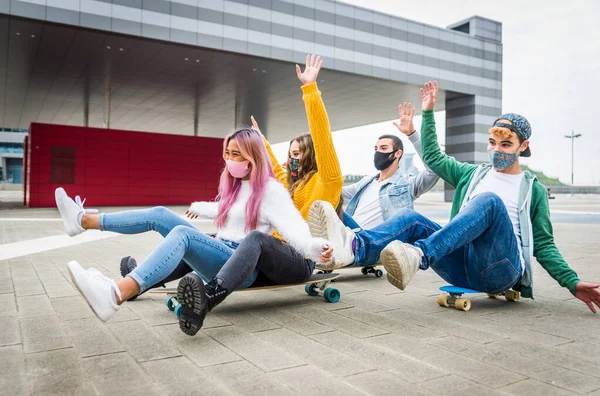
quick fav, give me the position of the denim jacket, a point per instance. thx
(397, 192)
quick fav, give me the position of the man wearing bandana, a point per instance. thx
(500, 220)
(374, 199)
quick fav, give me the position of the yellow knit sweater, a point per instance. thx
(326, 184)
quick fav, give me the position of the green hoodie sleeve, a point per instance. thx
(446, 167)
(544, 248)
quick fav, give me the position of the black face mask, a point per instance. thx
(384, 160)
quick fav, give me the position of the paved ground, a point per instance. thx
(377, 340)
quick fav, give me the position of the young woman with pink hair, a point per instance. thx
(250, 203)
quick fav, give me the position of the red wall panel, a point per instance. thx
(120, 168)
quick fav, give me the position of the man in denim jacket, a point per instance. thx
(374, 199)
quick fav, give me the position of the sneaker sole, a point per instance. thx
(191, 296)
(317, 215)
(393, 267)
(59, 195)
(83, 294)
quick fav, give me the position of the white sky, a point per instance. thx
(551, 75)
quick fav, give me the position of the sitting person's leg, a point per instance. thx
(363, 247)
(481, 234)
(276, 260)
(207, 255)
(76, 220)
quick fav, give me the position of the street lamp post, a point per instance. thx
(572, 136)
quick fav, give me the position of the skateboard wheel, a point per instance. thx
(332, 295)
(311, 289)
(463, 304)
(178, 310)
(379, 273)
(512, 295)
(364, 270)
(442, 300)
(491, 295)
(170, 303)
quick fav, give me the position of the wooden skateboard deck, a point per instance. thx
(464, 304)
(367, 269)
(314, 286)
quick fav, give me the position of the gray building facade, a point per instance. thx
(373, 62)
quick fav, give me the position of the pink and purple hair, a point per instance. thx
(252, 148)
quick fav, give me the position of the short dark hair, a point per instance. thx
(396, 141)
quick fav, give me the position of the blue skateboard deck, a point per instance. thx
(464, 304)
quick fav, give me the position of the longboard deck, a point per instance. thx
(315, 278)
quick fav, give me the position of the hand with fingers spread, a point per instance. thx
(254, 124)
(589, 293)
(311, 71)
(405, 124)
(190, 215)
(429, 94)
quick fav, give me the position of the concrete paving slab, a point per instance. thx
(377, 340)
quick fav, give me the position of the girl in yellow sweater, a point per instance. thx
(313, 171)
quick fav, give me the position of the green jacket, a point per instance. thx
(534, 212)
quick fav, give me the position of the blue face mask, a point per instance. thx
(501, 160)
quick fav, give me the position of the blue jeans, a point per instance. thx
(204, 254)
(477, 249)
(407, 226)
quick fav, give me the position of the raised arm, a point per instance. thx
(328, 165)
(443, 165)
(424, 181)
(277, 171)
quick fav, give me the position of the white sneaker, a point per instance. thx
(71, 211)
(97, 289)
(401, 261)
(324, 222)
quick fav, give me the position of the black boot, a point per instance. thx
(192, 297)
(215, 293)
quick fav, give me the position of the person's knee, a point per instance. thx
(256, 237)
(180, 231)
(406, 214)
(160, 211)
(491, 198)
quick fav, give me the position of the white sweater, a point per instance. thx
(277, 211)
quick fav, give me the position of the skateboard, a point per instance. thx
(464, 304)
(316, 284)
(369, 269)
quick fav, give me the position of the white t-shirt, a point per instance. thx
(507, 188)
(368, 210)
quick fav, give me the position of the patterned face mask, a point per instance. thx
(501, 160)
(294, 165)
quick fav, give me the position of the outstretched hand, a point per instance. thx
(190, 215)
(311, 71)
(429, 94)
(405, 124)
(589, 293)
